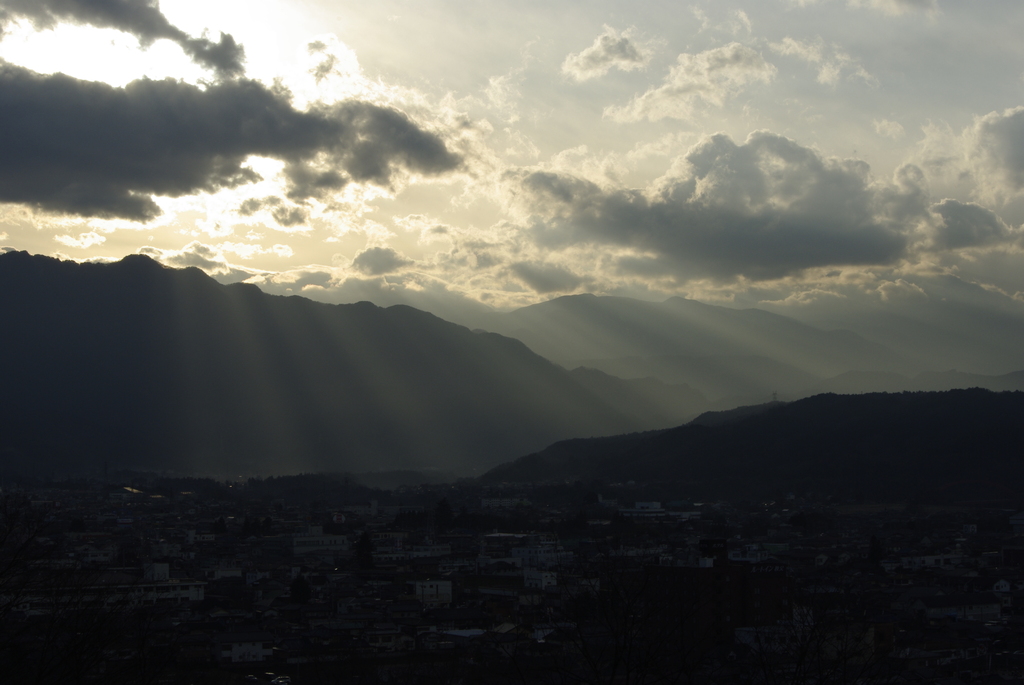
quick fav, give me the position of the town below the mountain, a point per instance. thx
(320, 579)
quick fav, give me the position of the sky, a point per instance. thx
(796, 155)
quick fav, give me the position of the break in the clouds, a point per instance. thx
(761, 209)
(546, 278)
(91, 149)
(611, 50)
(896, 7)
(966, 224)
(711, 77)
(141, 18)
(892, 7)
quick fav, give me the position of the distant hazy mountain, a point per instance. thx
(139, 365)
(747, 356)
(735, 378)
(684, 339)
(958, 326)
(660, 403)
(860, 382)
(885, 446)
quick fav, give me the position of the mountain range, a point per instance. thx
(133, 364)
(882, 446)
(748, 356)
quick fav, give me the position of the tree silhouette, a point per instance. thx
(443, 516)
(625, 625)
(301, 592)
(364, 550)
(876, 551)
(61, 623)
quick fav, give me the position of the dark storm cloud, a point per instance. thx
(308, 181)
(1000, 145)
(967, 225)
(226, 57)
(255, 204)
(141, 18)
(284, 215)
(377, 261)
(546, 278)
(763, 209)
(290, 216)
(91, 149)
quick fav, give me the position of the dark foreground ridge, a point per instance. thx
(136, 365)
(889, 447)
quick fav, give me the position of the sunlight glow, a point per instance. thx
(93, 54)
(267, 29)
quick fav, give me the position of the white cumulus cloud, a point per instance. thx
(611, 50)
(711, 77)
(83, 241)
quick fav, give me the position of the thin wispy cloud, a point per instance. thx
(710, 77)
(832, 63)
(897, 7)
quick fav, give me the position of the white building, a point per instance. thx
(240, 648)
(432, 593)
(539, 580)
(313, 541)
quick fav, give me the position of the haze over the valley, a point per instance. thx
(137, 365)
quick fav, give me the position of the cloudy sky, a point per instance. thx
(452, 154)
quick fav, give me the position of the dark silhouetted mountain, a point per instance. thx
(136, 364)
(721, 418)
(716, 350)
(884, 446)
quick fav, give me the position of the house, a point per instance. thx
(432, 593)
(385, 637)
(972, 606)
(312, 541)
(539, 580)
(1017, 522)
(644, 510)
(241, 647)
